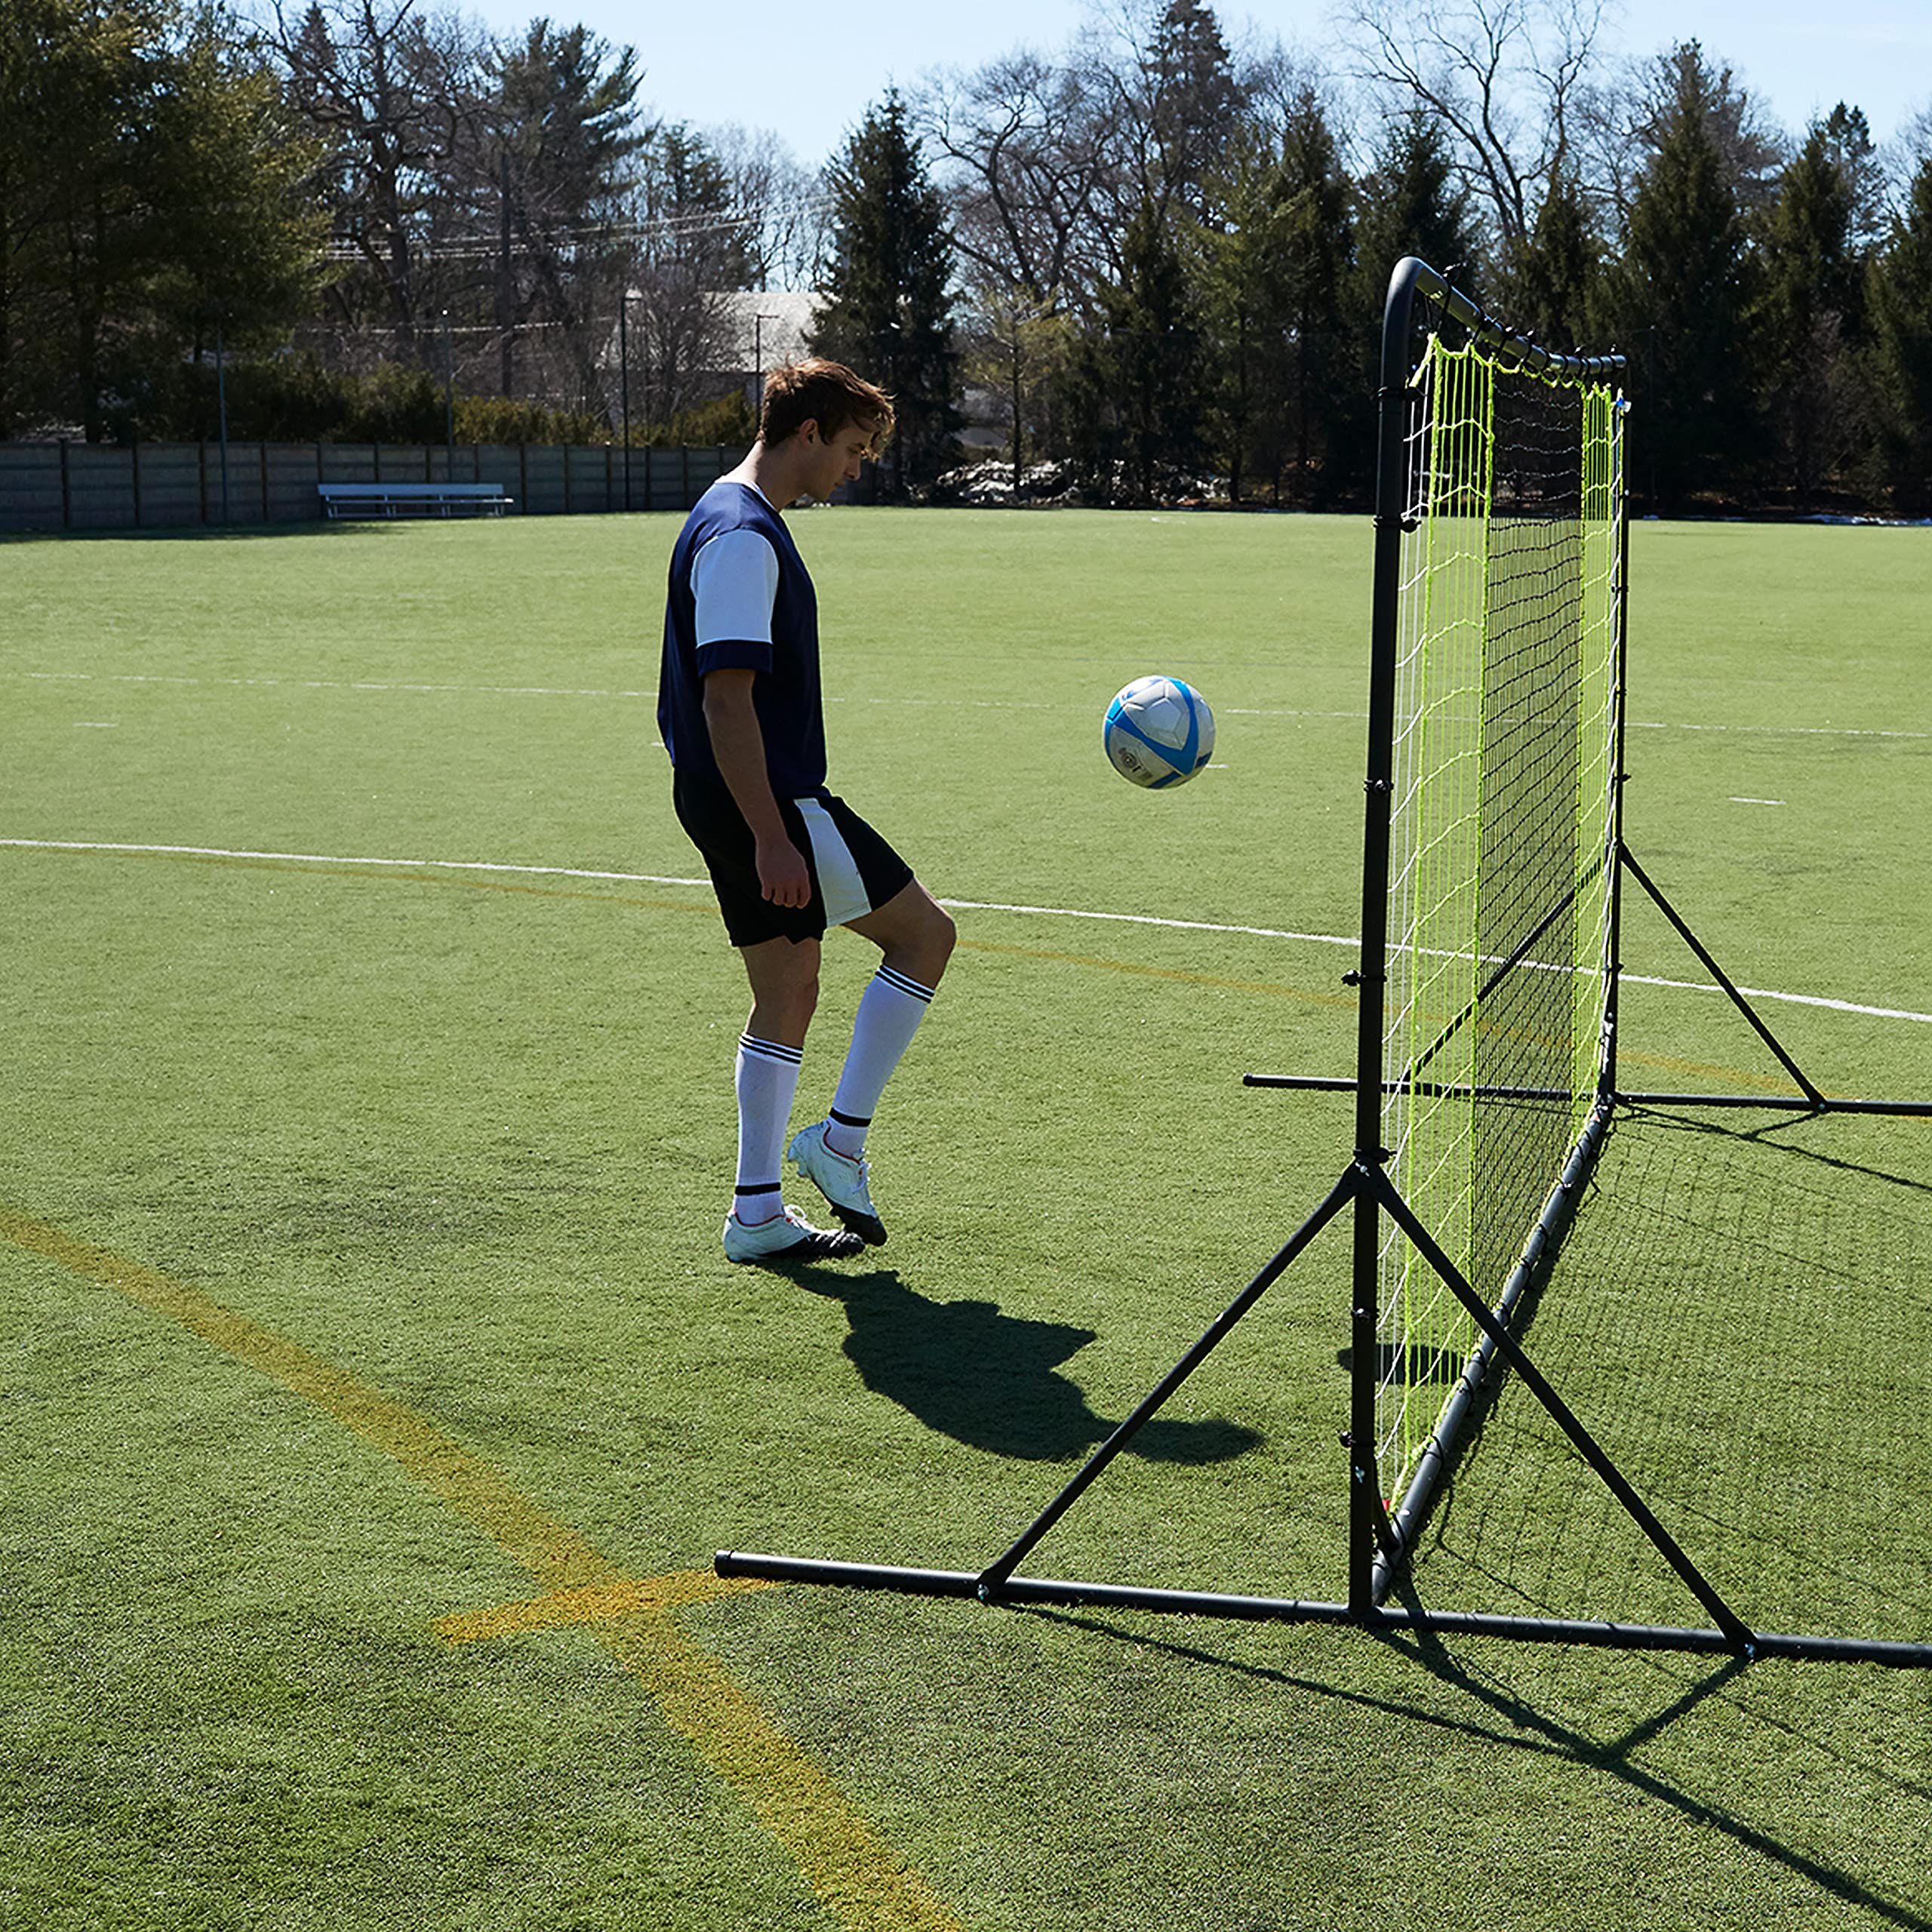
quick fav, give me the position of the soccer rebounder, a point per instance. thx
(1486, 1080)
(740, 713)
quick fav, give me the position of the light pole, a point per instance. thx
(449, 401)
(758, 358)
(624, 378)
(221, 411)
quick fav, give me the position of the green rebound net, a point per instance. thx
(1503, 828)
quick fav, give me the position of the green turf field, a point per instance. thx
(377, 1394)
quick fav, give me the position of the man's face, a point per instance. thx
(835, 459)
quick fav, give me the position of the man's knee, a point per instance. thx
(945, 935)
(928, 941)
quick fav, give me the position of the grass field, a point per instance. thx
(376, 1393)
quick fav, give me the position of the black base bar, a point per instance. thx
(1059, 1592)
(1782, 1103)
(1309, 1083)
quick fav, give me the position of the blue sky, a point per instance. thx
(808, 72)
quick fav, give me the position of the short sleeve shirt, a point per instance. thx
(740, 598)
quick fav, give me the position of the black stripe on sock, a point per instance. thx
(763, 1187)
(900, 983)
(772, 1050)
(850, 1120)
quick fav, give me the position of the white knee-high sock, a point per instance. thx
(889, 1015)
(767, 1078)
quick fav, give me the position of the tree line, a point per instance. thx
(1148, 266)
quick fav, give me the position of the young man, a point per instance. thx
(739, 710)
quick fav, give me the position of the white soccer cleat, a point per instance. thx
(786, 1237)
(841, 1178)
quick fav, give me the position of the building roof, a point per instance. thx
(763, 327)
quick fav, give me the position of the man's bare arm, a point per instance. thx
(737, 743)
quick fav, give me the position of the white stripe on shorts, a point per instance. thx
(839, 883)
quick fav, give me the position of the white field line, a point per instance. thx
(957, 905)
(323, 685)
(1779, 730)
(1003, 704)
(324, 858)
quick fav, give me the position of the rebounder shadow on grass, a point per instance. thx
(992, 1380)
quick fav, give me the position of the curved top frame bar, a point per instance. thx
(1412, 277)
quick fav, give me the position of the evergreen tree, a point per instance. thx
(564, 138)
(1551, 290)
(64, 67)
(1811, 308)
(1848, 145)
(1245, 288)
(566, 108)
(1899, 363)
(1275, 277)
(151, 190)
(1677, 302)
(888, 311)
(240, 229)
(1194, 106)
(1329, 423)
(1140, 398)
(1411, 204)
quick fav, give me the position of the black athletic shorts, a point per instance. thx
(854, 870)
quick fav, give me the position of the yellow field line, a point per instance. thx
(594, 1603)
(862, 1883)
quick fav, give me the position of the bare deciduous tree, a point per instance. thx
(783, 206)
(390, 87)
(1505, 79)
(1025, 152)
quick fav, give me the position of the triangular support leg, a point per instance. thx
(1814, 1101)
(996, 1573)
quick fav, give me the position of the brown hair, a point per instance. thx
(827, 393)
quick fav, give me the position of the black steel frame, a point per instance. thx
(1378, 1542)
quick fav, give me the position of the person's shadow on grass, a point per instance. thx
(990, 1380)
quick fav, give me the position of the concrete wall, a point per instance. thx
(161, 486)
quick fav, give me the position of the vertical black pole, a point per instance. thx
(1365, 1502)
(1606, 1075)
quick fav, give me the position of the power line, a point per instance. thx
(676, 227)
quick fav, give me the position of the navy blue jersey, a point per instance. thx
(779, 641)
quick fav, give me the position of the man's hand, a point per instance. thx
(782, 874)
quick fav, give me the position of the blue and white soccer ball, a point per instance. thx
(1159, 732)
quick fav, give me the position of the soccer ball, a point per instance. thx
(1159, 732)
